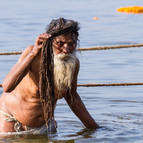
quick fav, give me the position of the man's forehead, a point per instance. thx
(66, 37)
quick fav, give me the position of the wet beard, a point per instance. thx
(64, 68)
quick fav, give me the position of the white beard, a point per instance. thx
(64, 68)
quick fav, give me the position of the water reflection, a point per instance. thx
(84, 133)
(32, 139)
(118, 110)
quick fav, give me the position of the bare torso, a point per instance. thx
(21, 98)
(24, 101)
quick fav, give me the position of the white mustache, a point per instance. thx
(65, 56)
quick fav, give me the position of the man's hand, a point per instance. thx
(39, 43)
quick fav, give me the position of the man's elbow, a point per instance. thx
(5, 87)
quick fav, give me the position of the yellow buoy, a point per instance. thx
(95, 18)
(131, 9)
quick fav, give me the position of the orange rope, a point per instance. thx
(106, 84)
(109, 84)
(89, 49)
(11, 53)
(110, 47)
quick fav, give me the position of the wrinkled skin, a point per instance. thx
(20, 97)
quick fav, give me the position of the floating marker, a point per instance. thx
(131, 9)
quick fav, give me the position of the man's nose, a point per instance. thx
(66, 49)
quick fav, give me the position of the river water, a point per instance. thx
(118, 110)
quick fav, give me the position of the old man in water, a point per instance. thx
(44, 73)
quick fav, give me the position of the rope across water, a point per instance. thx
(97, 48)
(107, 84)
(88, 49)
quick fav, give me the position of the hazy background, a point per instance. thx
(117, 109)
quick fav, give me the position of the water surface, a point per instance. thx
(118, 110)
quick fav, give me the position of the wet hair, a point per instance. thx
(61, 26)
(46, 83)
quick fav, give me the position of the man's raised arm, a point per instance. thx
(18, 71)
(21, 68)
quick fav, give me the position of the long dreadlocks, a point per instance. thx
(46, 84)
